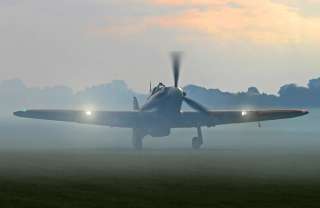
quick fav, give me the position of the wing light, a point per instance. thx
(89, 113)
(244, 113)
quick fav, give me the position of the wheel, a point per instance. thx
(137, 138)
(138, 144)
(196, 143)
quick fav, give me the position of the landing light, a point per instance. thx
(88, 113)
(244, 113)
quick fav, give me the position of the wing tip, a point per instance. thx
(19, 113)
(305, 111)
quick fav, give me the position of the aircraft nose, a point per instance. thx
(180, 91)
(175, 92)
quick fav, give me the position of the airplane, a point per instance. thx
(162, 112)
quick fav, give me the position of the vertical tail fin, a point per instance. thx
(135, 104)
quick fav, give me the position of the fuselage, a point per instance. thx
(164, 100)
(170, 104)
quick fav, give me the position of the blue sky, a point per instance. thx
(227, 44)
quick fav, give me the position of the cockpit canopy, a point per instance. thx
(157, 88)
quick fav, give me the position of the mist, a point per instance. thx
(98, 55)
(279, 148)
(299, 133)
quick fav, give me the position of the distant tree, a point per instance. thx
(314, 85)
(253, 91)
(16, 95)
(293, 95)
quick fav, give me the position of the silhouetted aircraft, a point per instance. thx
(161, 113)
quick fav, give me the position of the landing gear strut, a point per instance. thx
(197, 141)
(137, 139)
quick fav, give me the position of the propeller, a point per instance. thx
(155, 98)
(176, 60)
(195, 105)
(176, 63)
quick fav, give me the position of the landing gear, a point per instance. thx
(197, 141)
(137, 143)
(137, 139)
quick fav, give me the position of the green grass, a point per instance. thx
(106, 178)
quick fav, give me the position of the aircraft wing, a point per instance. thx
(136, 119)
(191, 119)
(106, 118)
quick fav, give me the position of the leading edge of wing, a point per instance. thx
(220, 117)
(290, 112)
(130, 119)
(242, 116)
(55, 115)
(108, 118)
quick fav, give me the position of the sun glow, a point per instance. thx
(266, 22)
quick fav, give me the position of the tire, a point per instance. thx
(196, 143)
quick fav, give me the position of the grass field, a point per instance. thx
(159, 178)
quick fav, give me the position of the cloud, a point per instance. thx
(260, 22)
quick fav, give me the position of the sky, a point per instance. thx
(227, 44)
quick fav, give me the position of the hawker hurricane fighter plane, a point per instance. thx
(162, 112)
